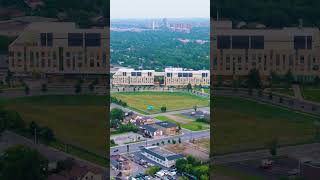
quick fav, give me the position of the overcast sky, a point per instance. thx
(146, 9)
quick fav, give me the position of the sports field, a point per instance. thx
(241, 125)
(172, 100)
(78, 120)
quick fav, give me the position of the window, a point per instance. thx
(43, 39)
(124, 73)
(49, 39)
(302, 59)
(224, 42)
(133, 73)
(138, 73)
(46, 39)
(92, 39)
(309, 42)
(299, 42)
(169, 74)
(75, 39)
(240, 42)
(179, 74)
(257, 42)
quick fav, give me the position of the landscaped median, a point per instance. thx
(189, 124)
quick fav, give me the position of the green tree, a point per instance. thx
(151, 171)
(44, 88)
(20, 162)
(33, 126)
(289, 78)
(47, 134)
(163, 109)
(77, 87)
(26, 89)
(273, 147)
(254, 80)
(195, 108)
(189, 87)
(180, 164)
(9, 77)
(117, 113)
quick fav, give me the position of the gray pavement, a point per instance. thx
(134, 147)
(299, 151)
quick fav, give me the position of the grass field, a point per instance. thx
(193, 126)
(78, 120)
(172, 100)
(288, 92)
(241, 125)
(229, 173)
(311, 94)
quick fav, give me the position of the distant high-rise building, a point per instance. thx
(153, 25)
(165, 23)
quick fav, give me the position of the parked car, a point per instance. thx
(266, 164)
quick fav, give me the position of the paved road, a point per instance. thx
(135, 146)
(297, 91)
(299, 151)
(180, 111)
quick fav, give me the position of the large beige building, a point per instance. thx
(235, 51)
(133, 77)
(170, 77)
(59, 48)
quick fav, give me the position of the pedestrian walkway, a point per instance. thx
(297, 91)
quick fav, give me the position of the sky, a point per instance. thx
(152, 9)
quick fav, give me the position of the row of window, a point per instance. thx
(240, 42)
(257, 42)
(74, 39)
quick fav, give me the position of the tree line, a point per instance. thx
(272, 13)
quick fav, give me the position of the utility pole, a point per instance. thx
(35, 135)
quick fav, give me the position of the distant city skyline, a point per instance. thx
(155, 9)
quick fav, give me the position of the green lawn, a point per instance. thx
(284, 91)
(172, 100)
(311, 94)
(232, 173)
(193, 126)
(78, 120)
(241, 125)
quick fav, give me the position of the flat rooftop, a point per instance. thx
(162, 153)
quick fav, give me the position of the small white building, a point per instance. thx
(161, 156)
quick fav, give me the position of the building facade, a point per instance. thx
(181, 77)
(235, 51)
(59, 48)
(133, 77)
(170, 77)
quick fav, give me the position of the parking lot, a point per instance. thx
(140, 164)
(127, 138)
